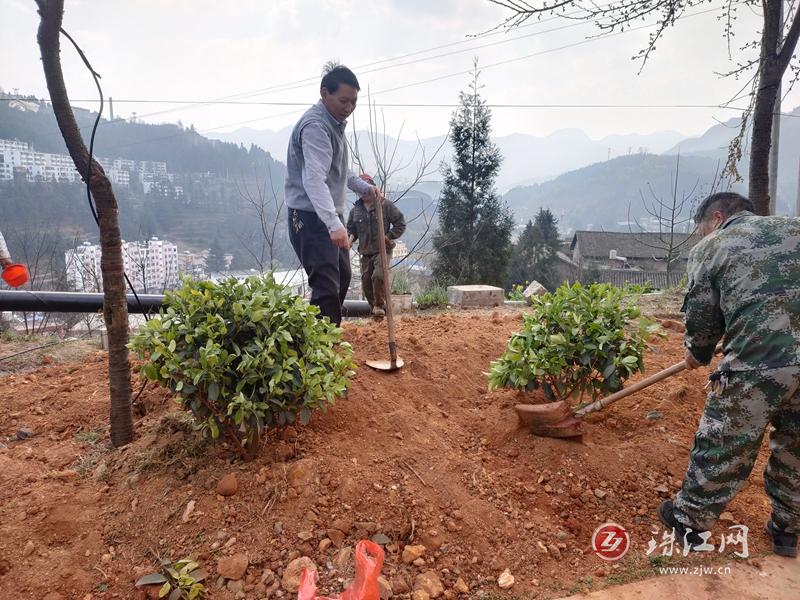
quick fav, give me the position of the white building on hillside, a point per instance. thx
(151, 266)
(83, 268)
(19, 158)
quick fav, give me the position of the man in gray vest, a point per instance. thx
(318, 170)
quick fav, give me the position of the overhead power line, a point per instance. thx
(429, 104)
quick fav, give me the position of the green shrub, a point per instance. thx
(434, 296)
(517, 293)
(577, 341)
(242, 356)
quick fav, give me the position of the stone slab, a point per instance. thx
(475, 296)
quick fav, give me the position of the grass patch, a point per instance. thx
(660, 560)
(434, 296)
(89, 437)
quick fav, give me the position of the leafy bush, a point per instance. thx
(400, 283)
(576, 341)
(434, 296)
(517, 293)
(243, 356)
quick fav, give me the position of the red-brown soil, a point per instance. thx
(423, 455)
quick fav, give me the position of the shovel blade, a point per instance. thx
(549, 420)
(386, 365)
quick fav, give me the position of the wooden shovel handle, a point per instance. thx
(639, 385)
(387, 285)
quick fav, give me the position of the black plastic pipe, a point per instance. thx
(79, 302)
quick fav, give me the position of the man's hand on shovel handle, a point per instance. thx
(691, 362)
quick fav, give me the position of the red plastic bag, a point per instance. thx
(369, 562)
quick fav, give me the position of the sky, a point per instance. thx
(199, 50)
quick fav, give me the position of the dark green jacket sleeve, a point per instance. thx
(396, 220)
(351, 225)
(705, 324)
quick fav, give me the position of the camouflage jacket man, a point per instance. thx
(362, 224)
(744, 283)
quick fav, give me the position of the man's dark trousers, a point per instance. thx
(327, 267)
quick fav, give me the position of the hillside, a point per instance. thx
(183, 149)
(598, 196)
(215, 178)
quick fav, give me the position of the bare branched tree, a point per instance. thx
(268, 205)
(382, 159)
(263, 199)
(672, 216)
(37, 248)
(774, 54)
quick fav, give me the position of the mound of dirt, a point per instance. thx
(423, 457)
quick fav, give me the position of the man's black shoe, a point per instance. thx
(783, 542)
(666, 512)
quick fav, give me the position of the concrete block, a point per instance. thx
(534, 289)
(401, 302)
(475, 296)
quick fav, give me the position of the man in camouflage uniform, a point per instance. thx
(744, 284)
(362, 225)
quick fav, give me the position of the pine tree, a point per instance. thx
(473, 242)
(534, 254)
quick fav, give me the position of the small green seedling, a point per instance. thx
(179, 581)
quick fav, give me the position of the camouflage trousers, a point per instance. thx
(372, 284)
(736, 414)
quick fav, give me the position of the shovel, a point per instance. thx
(557, 420)
(394, 361)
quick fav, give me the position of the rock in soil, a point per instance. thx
(385, 588)
(188, 511)
(28, 549)
(401, 583)
(291, 575)
(336, 536)
(412, 553)
(461, 586)
(506, 580)
(233, 567)
(228, 485)
(301, 474)
(429, 583)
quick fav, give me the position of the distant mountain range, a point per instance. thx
(599, 197)
(526, 158)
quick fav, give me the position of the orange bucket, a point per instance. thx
(15, 275)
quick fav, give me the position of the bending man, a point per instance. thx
(744, 284)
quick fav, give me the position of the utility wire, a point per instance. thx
(291, 85)
(428, 104)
